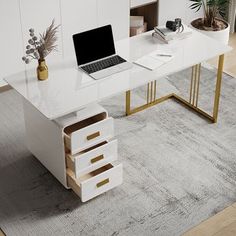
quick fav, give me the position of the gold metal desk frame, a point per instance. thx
(193, 99)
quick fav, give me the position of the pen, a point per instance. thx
(164, 55)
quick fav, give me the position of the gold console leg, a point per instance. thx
(128, 101)
(151, 99)
(194, 91)
(194, 94)
(218, 88)
(194, 87)
(151, 92)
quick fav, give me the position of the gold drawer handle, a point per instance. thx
(96, 159)
(94, 135)
(105, 181)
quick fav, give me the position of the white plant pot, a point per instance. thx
(221, 35)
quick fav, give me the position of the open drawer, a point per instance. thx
(97, 182)
(88, 132)
(92, 158)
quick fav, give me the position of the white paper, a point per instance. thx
(159, 52)
(149, 62)
(154, 60)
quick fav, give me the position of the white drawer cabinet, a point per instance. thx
(89, 132)
(97, 182)
(92, 158)
(88, 172)
(89, 151)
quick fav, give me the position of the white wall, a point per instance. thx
(17, 16)
(39, 17)
(81, 15)
(171, 9)
(11, 47)
(73, 21)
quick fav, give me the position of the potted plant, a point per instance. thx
(213, 23)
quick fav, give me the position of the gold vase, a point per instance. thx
(42, 70)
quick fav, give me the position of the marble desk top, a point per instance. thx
(68, 89)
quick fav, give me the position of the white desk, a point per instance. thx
(67, 90)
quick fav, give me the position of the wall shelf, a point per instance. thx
(139, 3)
(148, 9)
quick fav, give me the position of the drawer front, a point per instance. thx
(91, 135)
(95, 158)
(101, 183)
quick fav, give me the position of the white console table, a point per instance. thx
(64, 126)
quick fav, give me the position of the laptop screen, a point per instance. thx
(94, 44)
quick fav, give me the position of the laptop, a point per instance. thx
(96, 54)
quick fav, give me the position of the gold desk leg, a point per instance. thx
(218, 88)
(151, 92)
(155, 90)
(128, 101)
(194, 94)
(151, 99)
(195, 84)
(194, 108)
(148, 93)
(198, 83)
(191, 85)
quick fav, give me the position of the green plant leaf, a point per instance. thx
(196, 5)
(212, 9)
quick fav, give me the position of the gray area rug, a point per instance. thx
(179, 169)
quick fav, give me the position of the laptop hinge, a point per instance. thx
(97, 60)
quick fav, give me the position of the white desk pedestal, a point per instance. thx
(44, 138)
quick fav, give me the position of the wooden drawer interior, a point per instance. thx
(90, 175)
(96, 182)
(93, 147)
(70, 158)
(82, 124)
(95, 172)
(75, 184)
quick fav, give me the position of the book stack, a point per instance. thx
(137, 25)
(167, 36)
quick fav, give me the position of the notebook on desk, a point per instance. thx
(155, 59)
(96, 55)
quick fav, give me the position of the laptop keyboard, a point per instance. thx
(103, 64)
